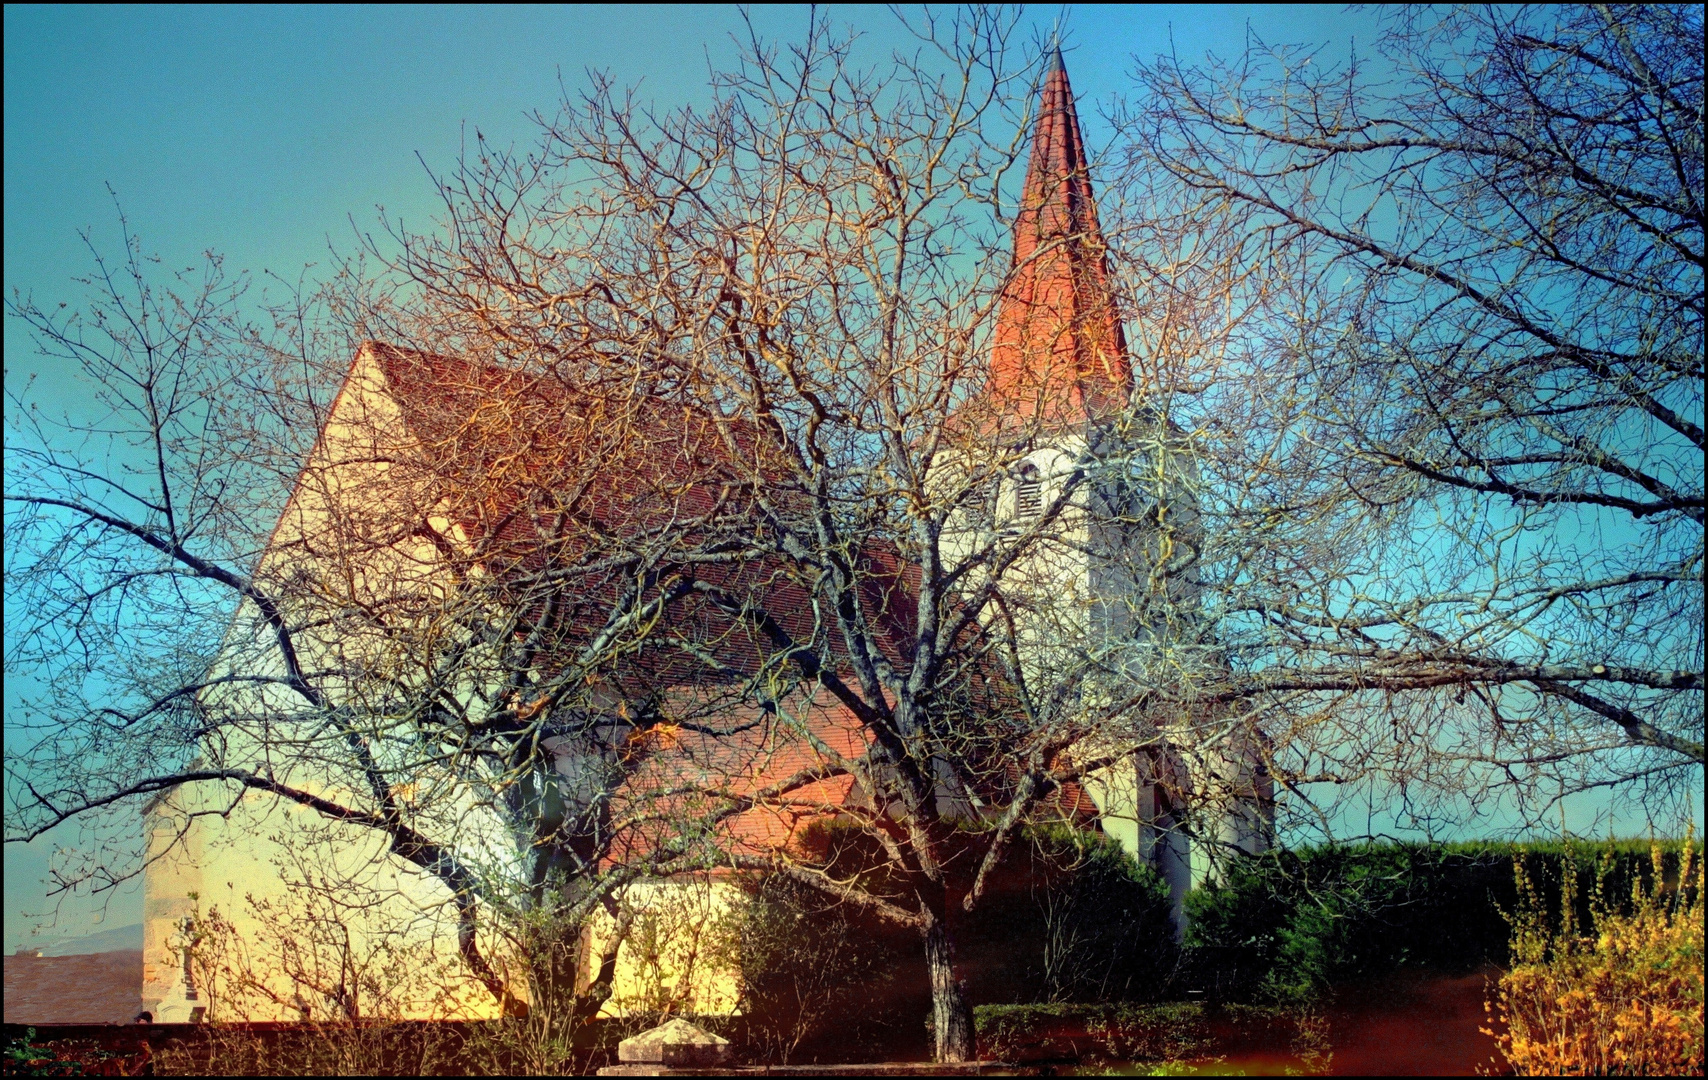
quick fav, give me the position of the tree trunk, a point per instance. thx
(951, 1018)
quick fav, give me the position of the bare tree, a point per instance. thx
(439, 649)
(1448, 422)
(944, 588)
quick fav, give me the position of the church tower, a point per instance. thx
(1099, 490)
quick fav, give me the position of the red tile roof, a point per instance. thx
(95, 988)
(542, 475)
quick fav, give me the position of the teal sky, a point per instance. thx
(269, 133)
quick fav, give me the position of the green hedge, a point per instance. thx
(1070, 919)
(1291, 923)
(1123, 1034)
(1089, 1033)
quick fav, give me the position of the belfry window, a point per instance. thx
(1028, 493)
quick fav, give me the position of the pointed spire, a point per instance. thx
(1059, 350)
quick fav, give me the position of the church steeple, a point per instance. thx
(1059, 352)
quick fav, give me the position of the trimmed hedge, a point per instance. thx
(1120, 1031)
(1125, 1033)
(1286, 926)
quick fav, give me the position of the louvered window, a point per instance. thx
(1028, 494)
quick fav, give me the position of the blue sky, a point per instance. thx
(269, 133)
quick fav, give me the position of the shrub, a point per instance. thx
(1620, 993)
(1068, 917)
(1093, 1034)
(328, 1048)
(1289, 924)
(23, 1056)
(807, 961)
(1170, 1035)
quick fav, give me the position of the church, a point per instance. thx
(670, 701)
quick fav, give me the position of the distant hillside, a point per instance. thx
(118, 939)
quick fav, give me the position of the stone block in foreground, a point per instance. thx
(675, 1044)
(882, 1068)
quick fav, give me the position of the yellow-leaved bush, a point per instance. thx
(1621, 996)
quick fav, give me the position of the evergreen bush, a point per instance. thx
(1288, 924)
(1068, 917)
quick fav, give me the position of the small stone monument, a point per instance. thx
(675, 1044)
